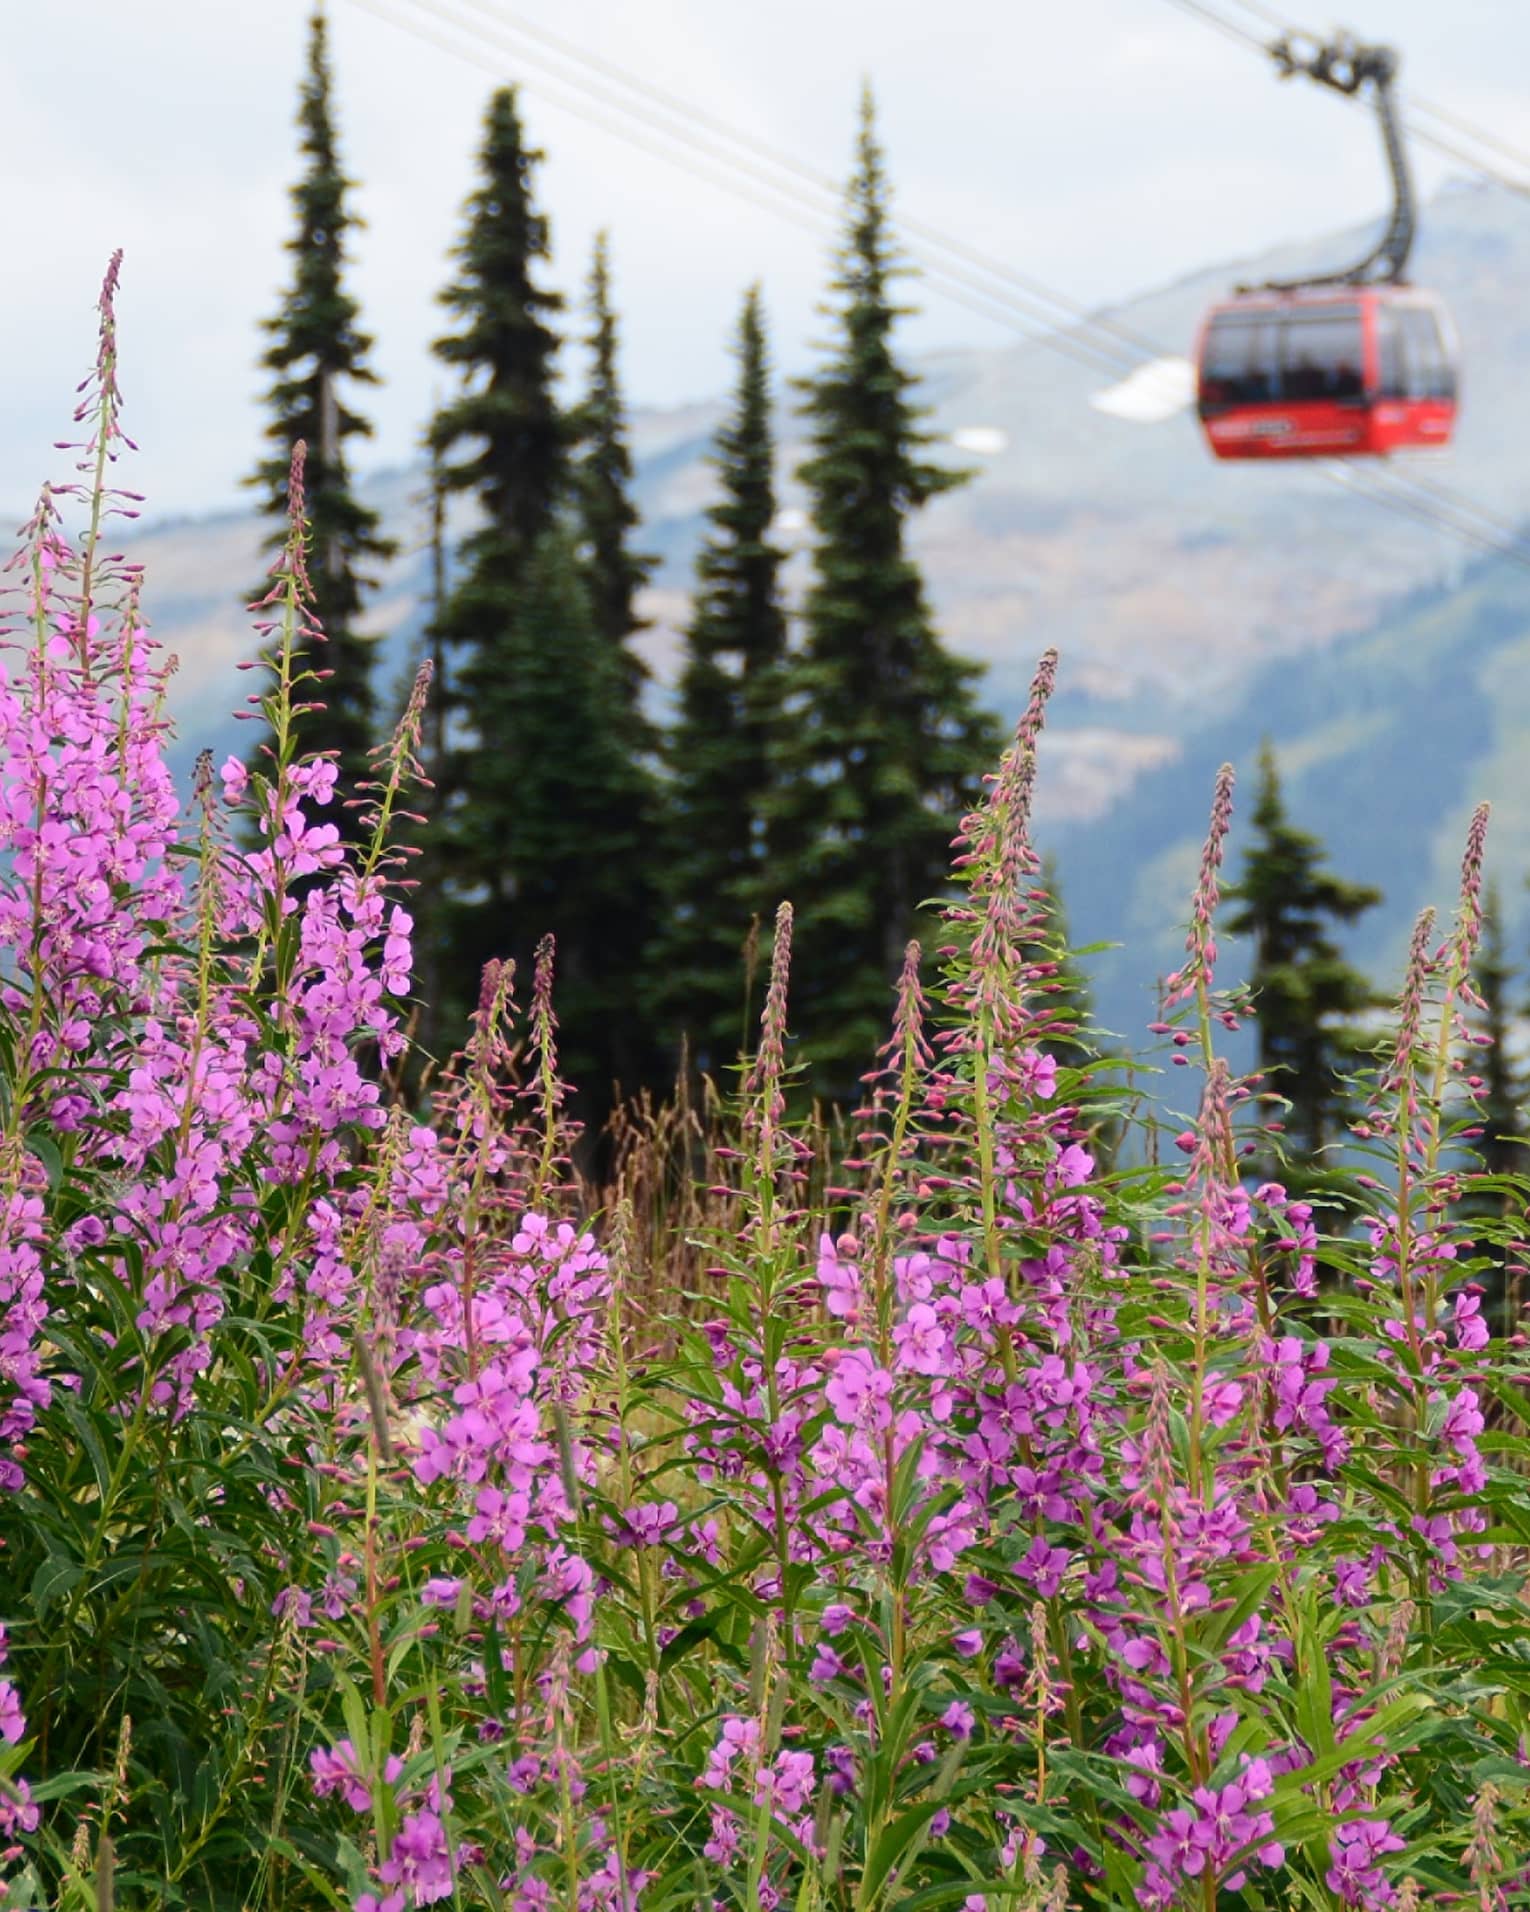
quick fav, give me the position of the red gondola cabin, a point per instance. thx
(1334, 371)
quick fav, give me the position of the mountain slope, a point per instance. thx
(1385, 743)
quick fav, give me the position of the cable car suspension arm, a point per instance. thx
(1347, 66)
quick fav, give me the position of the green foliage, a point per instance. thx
(608, 516)
(536, 758)
(316, 348)
(551, 829)
(1305, 994)
(1065, 980)
(501, 438)
(152, 1552)
(884, 742)
(720, 750)
(1489, 1194)
(1503, 1087)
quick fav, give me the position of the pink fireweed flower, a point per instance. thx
(648, 1526)
(959, 1719)
(1204, 1836)
(12, 1720)
(236, 781)
(1471, 1329)
(737, 1735)
(420, 1859)
(921, 1341)
(1043, 1565)
(840, 1276)
(786, 1787)
(1356, 1850)
(827, 1665)
(19, 1813)
(1145, 1755)
(860, 1392)
(337, 1769)
(722, 1847)
(1036, 1074)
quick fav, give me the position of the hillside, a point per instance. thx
(1386, 743)
(1195, 606)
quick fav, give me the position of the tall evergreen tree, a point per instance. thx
(1305, 994)
(607, 512)
(885, 743)
(556, 822)
(720, 750)
(317, 347)
(548, 813)
(502, 437)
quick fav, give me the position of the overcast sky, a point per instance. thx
(1099, 145)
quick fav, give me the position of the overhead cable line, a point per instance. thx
(652, 132)
(1502, 528)
(1517, 155)
(1492, 141)
(1213, 16)
(920, 230)
(1222, 24)
(665, 126)
(1460, 518)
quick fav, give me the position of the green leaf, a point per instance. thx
(52, 1583)
(353, 1707)
(46, 1150)
(1313, 1680)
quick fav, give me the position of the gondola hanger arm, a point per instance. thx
(1348, 65)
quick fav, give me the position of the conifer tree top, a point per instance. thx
(1285, 891)
(1306, 995)
(504, 234)
(504, 423)
(318, 322)
(868, 259)
(738, 604)
(891, 743)
(604, 405)
(316, 350)
(1503, 1096)
(866, 426)
(720, 871)
(608, 511)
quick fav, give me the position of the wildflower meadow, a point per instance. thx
(991, 1500)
